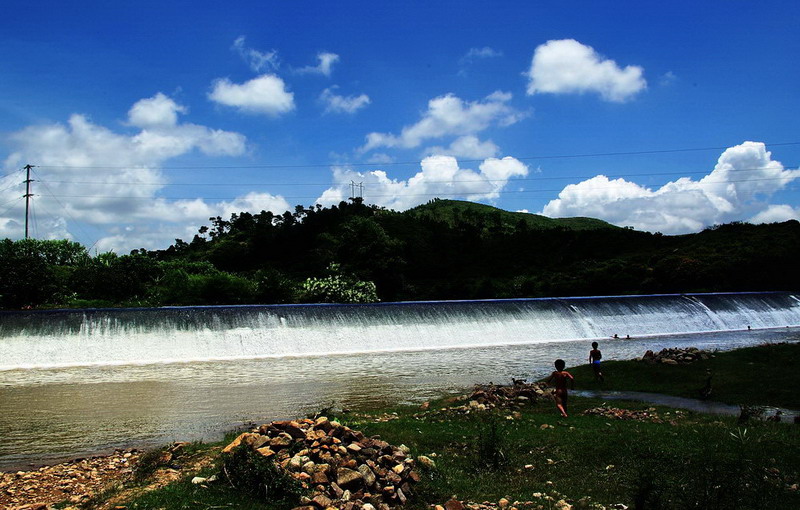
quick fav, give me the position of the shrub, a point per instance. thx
(252, 473)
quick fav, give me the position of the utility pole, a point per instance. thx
(28, 196)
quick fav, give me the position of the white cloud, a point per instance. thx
(89, 177)
(467, 147)
(265, 94)
(744, 178)
(480, 53)
(325, 66)
(667, 79)
(257, 60)
(340, 104)
(439, 176)
(776, 213)
(156, 111)
(449, 115)
(567, 66)
(381, 158)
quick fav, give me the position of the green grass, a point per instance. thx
(701, 461)
(762, 375)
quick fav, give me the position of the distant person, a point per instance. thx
(594, 359)
(559, 379)
(615, 336)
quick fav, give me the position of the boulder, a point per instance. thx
(347, 478)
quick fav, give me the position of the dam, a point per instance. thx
(64, 338)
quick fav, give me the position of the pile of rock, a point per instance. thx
(628, 414)
(490, 396)
(73, 481)
(343, 468)
(516, 394)
(676, 356)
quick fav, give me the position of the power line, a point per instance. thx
(515, 179)
(87, 236)
(459, 193)
(397, 163)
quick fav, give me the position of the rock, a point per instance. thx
(367, 475)
(503, 503)
(266, 451)
(199, 479)
(454, 504)
(247, 438)
(293, 429)
(668, 361)
(426, 462)
(322, 501)
(348, 478)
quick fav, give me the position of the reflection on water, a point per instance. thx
(50, 414)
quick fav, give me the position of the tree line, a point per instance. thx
(354, 252)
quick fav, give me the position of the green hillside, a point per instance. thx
(453, 212)
(353, 252)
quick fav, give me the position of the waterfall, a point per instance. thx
(57, 338)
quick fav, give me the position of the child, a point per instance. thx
(559, 379)
(594, 358)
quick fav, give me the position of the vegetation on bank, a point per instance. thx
(667, 460)
(359, 253)
(765, 375)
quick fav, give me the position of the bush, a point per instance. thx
(339, 288)
(252, 473)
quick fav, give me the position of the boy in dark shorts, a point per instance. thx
(559, 379)
(594, 359)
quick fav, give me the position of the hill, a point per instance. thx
(453, 212)
(353, 252)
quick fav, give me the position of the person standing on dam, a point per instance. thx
(594, 359)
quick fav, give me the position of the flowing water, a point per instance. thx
(79, 382)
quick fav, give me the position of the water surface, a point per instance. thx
(49, 414)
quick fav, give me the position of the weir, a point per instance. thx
(61, 338)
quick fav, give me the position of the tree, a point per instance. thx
(339, 288)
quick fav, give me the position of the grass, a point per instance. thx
(762, 375)
(698, 461)
(685, 460)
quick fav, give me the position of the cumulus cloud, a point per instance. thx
(569, 67)
(467, 147)
(738, 188)
(257, 60)
(324, 67)
(335, 103)
(450, 115)
(87, 174)
(439, 176)
(265, 94)
(776, 213)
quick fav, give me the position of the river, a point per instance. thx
(52, 414)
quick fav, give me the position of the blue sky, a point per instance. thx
(144, 119)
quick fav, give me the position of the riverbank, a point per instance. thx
(764, 375)
(520, 453)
